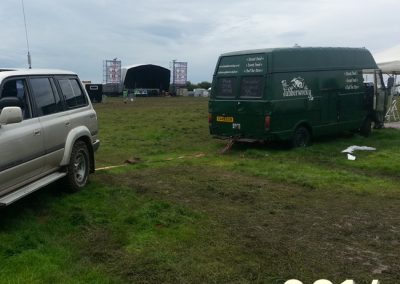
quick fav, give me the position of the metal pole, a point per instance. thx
(26, 36)
(173, 75)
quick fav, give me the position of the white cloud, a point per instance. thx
(79, 35)
(390, 54)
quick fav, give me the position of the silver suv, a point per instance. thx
(48, 131)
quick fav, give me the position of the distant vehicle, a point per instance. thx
(48, 131)
(112, 89)
(95, 92)
(199, 92)
(295, 94)
(146, 92)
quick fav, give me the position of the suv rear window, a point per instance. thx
(226, 87)
(73, 93)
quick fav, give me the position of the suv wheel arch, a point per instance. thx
(79, 133)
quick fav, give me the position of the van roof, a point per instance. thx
(7, 72)
(292, 49)
(312, 58)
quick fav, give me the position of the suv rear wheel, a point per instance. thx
(78, 168)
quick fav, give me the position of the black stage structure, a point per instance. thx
(146, 79)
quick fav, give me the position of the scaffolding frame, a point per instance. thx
(393, 113)
(112, 71)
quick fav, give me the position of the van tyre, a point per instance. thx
(365, 129)
(301, 137)
(79, 166)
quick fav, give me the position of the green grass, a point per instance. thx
(186, 214)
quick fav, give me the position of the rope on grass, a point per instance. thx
(138, 160)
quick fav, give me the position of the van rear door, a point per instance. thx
(241, 114)
(222, 106)
(250, 108)
(238, 90)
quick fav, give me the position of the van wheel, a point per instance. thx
(78, 168)
(365, 129)
(301, 137)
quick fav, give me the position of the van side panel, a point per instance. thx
(328, 101)
(295, 98)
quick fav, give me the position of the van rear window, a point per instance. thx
(226, 87)
(251, 87)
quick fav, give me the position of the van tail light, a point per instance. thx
(267, 122)
(209, 118)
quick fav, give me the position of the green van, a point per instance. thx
(295, 94)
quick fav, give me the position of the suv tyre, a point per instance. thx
(78, 168)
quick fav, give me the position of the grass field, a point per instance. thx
(186, 214)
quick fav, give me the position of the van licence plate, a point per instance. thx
(228, 119)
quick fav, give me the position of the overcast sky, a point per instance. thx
(78, 35)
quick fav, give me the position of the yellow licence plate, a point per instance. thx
(225, 119)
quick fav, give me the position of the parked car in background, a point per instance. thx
(200, 92)
(48, 131)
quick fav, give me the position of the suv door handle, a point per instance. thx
(36, 132)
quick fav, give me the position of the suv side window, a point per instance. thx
(18, 88)
(73, 93)
(44, 96)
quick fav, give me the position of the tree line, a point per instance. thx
(202, 85)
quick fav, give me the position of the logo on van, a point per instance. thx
(296, 88)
